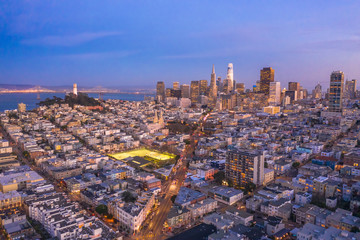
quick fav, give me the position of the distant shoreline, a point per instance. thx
(104, 92)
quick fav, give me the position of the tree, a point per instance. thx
(26, 154)
(102, 209)
(13, 115)
(173, 197)
(296, 165)
(128, 197)
(219, 177)
(266, 165)
(355, 229)
(230, 183)
(250, 187)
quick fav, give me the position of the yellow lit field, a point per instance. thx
(143, 153)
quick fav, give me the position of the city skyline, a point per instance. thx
(65, 45)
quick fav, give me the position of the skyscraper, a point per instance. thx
(267, 75)
(176, 85)
(336, 91)
(230, 77)
(203, 87)
(240, 87)
(160, 91)
(213, 87)
(194, 91)
(295, 86)
(350, 89)
(168, 92)
(274, 93)
(175, 93)
(244, 166)
(75, 89)
(219, 84)
(185, 91)
(316, 93)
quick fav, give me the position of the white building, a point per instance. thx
(274, 93)
(132, 215)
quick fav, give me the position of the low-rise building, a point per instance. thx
(268, 175)
(132, 215)
(10, 200)
(226, 195)
(200, 208)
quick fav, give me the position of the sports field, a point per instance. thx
(143, 153)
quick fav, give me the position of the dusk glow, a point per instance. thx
(122, 43)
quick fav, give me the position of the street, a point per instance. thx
(170, 188)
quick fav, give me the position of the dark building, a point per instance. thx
(175, 93)
(267, 75)
(336, 91)
(160, 91)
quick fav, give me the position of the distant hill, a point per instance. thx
(67, 88)
(16, 86)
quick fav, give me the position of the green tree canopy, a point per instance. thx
(128, 197)
(296, 165)
(219, 177)
(173, 197)
(102, 209)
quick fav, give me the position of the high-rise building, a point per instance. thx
(175, 93)
(219, 84)
(21, 107)
(316, 93)
(185, 91)
(244, 166)
(267, 75)
(295, 86)
(336, 91)
(160, 91)
(228, 101)
(75, 89)
(203, 87)
(176, 85)
(230, 78)
(194, 91)
(228, 86)
(292, 95)
(168, 92)
(350, 89)
(256, 87)
(274, 93)
(240, 87)
(213, 88)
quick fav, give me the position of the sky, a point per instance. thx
(137, 43)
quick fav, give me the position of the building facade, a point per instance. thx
(194, 91)
(185, 91)
(213, 88)
(267, 75)
(336, 91)
(350, 89)
(160, 91)
(243, 167)
(274, 93)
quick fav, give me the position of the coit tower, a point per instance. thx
(75, 89)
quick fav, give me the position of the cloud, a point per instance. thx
(351, 44)
(68, 40)
(97, 55)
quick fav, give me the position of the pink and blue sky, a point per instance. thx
(137, 43)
